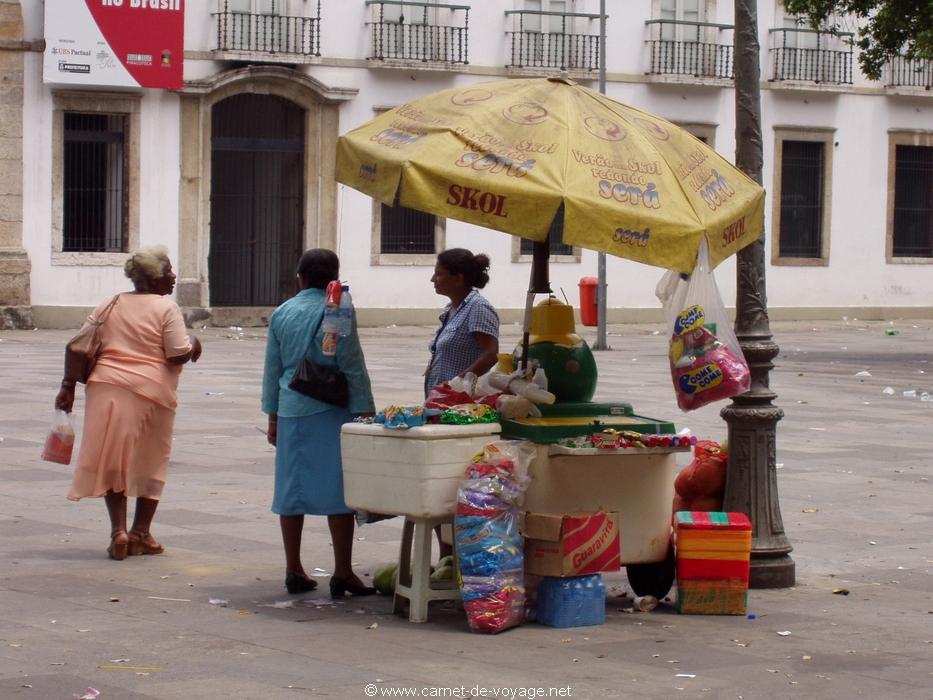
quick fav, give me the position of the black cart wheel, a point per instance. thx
(655, 578)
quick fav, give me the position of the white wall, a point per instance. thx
(857, 274)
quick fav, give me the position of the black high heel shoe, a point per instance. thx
(299, 583)
(339, 587)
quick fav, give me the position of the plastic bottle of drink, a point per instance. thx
(578, 607)
(345, 313)
(329, 324)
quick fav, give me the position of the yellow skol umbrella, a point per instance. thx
(508, 154)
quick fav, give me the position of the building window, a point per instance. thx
(801, 231)
(913, 201)
(802, 195)
(403, 236)
(406, 231)
(555, 247)
(95, 183)
(95, 177)
(523, 248)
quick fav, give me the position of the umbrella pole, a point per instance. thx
(540, 283)
(526, 329)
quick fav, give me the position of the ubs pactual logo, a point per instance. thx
(604, 129)
(653, 129)
(525, 113)
(471, 96)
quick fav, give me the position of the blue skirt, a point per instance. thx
(308, 469)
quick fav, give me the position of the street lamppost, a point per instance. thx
(751, 481)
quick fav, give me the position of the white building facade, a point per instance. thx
(233, 168)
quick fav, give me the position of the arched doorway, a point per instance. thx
(257, 199)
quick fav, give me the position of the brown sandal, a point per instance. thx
(119, 544)
(143, 543)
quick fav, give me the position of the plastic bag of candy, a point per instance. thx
(401, 417)
(467, 413)
(489, 544)
(443, 396)
(706, 360)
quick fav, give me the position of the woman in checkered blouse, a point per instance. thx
(468, 337)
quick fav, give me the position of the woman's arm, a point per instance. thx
(487, 360)
(65, 399)
(194, 354)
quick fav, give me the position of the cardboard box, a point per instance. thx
(571, 544)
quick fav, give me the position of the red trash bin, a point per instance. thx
(589, 312)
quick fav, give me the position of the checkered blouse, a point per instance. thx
(454, 348)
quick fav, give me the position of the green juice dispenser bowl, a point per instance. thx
(554, 345)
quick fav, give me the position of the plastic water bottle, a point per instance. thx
(329, 324)
(345, 313)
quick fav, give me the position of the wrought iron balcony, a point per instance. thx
(275, 35)
(697, 49)
(419, 31)
(557, 47)
(910, 72)
(810, 55)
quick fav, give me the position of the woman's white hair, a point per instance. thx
(147, 264)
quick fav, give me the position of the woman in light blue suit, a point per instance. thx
(306, 432)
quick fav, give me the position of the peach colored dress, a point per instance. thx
(130, 399)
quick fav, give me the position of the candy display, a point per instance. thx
(703, 368)
(489, 544)
(611, 439)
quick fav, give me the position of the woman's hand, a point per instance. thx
(273, 429)
(191, 356)
(65, 398)
(196, 348)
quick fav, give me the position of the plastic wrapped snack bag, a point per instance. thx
(706, 360)
(401, 417)
(489, 544)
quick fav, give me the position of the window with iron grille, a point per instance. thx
(406, 231)
(801, 215)
(913, 201)
(555, 247)
(95, 188)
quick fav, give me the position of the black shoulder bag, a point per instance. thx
(322, 382)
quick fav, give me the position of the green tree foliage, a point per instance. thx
(887, 28)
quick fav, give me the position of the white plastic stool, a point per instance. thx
(414, 570)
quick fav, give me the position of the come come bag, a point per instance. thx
(706, 360)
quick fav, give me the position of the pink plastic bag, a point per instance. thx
(60, 440)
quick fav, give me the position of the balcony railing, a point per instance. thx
(561, 47)
(910, 72)
(426, 33)
(698, 49)
(810, 55)
(268, 33)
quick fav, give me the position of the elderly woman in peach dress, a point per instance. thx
(130, 401)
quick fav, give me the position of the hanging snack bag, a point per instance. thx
(706, 360)
(60, 440)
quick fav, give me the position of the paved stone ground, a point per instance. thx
(855, 495)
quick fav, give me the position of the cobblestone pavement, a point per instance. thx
(854, 476)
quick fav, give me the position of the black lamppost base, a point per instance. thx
(772, 572)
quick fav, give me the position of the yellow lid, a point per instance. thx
(552, 322)
(506, 363)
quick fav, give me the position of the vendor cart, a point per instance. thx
(635, 482)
